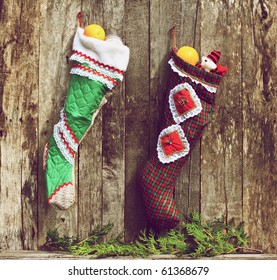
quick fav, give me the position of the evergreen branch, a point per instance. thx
(195, 238)
(208, 233)
(97, 233)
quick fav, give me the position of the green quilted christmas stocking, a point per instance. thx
(98, 66)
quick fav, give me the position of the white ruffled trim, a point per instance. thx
(182, 74)
(66, 134)
(91, 76)
(116, 55)
(166, 159)
(61, 145)
(176, 116)
(97, 68)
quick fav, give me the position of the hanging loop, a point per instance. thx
(80, 19)
(173, 38)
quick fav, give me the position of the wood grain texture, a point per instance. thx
(162, 16)
(259, 114)
(136, 112)
(187, 192)
(42, 255)
(213, 198)
(114, 133)
(231, 104)
(101, 160)
(90, 199)
(29, 81)
(58, 25)
(19, 54)
(221, 171)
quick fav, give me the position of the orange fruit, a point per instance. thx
(95, 31)
(188, 54)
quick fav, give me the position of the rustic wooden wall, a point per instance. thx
(233, 169)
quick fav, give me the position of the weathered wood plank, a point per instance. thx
(194, 191)
(232, 108)
(101, 160)
(221, 173)
(19, 103)
(260, 133)
(90, 154)
(114, 133)
(187, 193)
(43, 255)
(57, 30)
(162, 16)
(90, 180)
(29, 133)
(11, 112)
(137, 112)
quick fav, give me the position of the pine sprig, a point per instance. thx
(195, 238)
(215, 238)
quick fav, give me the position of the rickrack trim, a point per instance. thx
(63, 146)
(74, 138)
(94, 61)
(167, 159)
(176, 116)
(208, 87)
(67, 132)
(95, 65)
(83, 71)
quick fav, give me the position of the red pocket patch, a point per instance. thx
(172, 144)
(184, 102)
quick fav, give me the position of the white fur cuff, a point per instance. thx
(115, 55)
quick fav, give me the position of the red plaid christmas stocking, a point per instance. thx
(190, 98)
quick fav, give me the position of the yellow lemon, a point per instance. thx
(95, 31)
(188, 54)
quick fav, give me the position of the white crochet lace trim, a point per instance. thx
(64, 197)
(66, 134)
(176, 116)
(97, 68)
(91, 76)
(166, 159)
(182, 74)
(61, 145)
